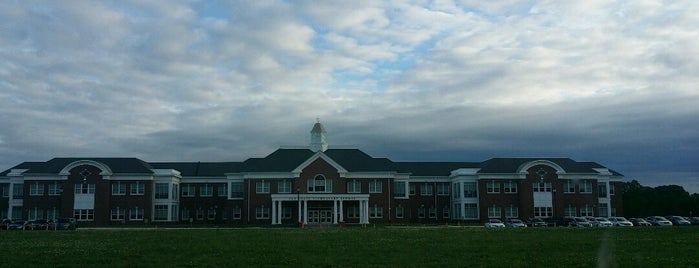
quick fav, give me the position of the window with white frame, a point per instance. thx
(543, 212)
(442, 188)
(262, 187)
(399, 212)
(541, 187)
(421, 212)
(160, 212)
(36, 189)
(570, 211)
(494, 212)
(188, 190)
(18, 191)
(35, 214)
(55, 189)
(212, 214)
(510, 187)
(426, 189)
(5, 190)
(399, 189)
(237, 213)
(284, 187)
(611, 189)
(445, 212)
(262, 212)
(286, 213)
(586, 211)
(237, 189)
(602, 190)
(222, 190)
(375, 187)
(457, 190)
(412, 188)
(118, 188)
(470, 189)
(603, 209)
(184, 214)
(352, 212)
(568, 187)
(354, 187)
(138, 188)
(162, 191)
(319, 184)
(200, 214)
(493, 187)
(52, 213)
(84, 188)
(433, 212)
(470, 211)
(585, 187)
(206, 190)
(511, 211)
(136, 214)
(375, 212)
(84, 214)
(118, 214)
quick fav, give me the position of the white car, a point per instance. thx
(659, 221)
(515, 223)
(620, 221)
(603, 222)
(494, 223)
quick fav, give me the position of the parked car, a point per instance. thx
(693, 220)
(579, 222)
(553, 221)
(4, 223)
(515, 223)
(603, 222)
(65, 224)
(36, 225)
(677, 220)
(494, 223)
(639, 222)
(593, 221)
(537, 222)
(16, 225)
(659, 221)
(620, 221)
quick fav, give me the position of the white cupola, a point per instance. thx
(319, 142)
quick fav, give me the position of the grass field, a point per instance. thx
(354, 247)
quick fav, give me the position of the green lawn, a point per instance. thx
(355, 247)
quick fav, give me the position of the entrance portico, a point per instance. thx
(319, 210)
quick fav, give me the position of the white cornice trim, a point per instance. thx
(523, 168)
(106, 171)
(342, 171)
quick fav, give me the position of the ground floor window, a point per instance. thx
(136, 214)
(84, 214)
(3, 213)
(445, 212)
(352, 212)
(471, 211)
(603, 210)
(200, 214)
(421, 213)
(570, 211)
(17, 212)
(433, 213)
(543, 212)
(160, 212)
(375, 212)
(286, 212)
(212, 214)
(494, 212)
(237, 213)
(512, 212)
(185, 214)
(399, 212)
(36, 214)
(586, 211)
(52, 213)
(262, 212)
(118, 214)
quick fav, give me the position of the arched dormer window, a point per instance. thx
(319, 184)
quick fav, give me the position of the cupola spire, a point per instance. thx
(319, 142)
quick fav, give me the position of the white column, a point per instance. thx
(299, 218)
(305, 211)
(366, 211)
(334, 211)
(274, 212)
(279, 210)
(342, 213)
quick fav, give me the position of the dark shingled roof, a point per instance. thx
(117, 165)
(354, 160)
(25, 165)
(281, 160)
(433, 168)
(199, 169)
(510, 165)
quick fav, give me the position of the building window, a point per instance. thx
(399, 189)
(412, 188)
(602, 190)
(55, 189)
(18, 191)
(603, 210)
(136, 214)
(36, 189)
(284, 187)
(470, 211)
(84, 188)
(5, 190)
(586, 211)
(237, 189)
(442, 188)
(570, 211)
(510, 187)
(188, 190)
(375, 212)
(399, 212)
(222, 190)
(184, 214)
(35, 214)
(319, 184)
(118, 214)
(470, 189)
(511, 212)
(262, 212)
(162, 190)
(138, 188)
(200, 214)
(541, 187)
(611, 189)
(354, 187)
(375, 187)
(118, 188)
(494, 212)
(421, 212)
(206, 190)
(543, 212)
(160, 212)
(433, 212)
(237, 213)
(286, 213)
(212, 214)
(352, 212)
(17, 212)
(84, 214)
(586, 187)
(568, 187)
(52, 213)
(493, 187)
(445, 212)
(426, 189)
(262, 187)
(457, 190)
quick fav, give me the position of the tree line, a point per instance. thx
(644, 201)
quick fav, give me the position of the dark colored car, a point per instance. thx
(639, 222)
(36, 225)
(5, 223)
(556, 221)
(16, 225)
(537, 222)
(65, 224)
(693, 220)
(678, 221)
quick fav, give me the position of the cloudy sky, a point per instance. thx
(610, 82)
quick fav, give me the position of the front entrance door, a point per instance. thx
(320, 216)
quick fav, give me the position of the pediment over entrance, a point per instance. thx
(323, 157)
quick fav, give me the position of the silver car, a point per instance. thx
(620, 221)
